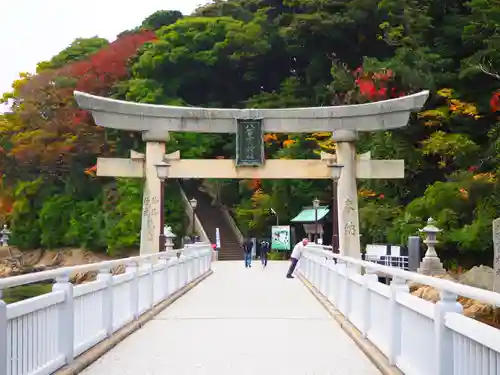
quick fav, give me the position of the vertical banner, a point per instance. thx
(280, 238)
(217, 238)
(249, 142)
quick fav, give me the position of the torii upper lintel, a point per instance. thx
(158, 120)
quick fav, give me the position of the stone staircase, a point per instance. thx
(211, 218)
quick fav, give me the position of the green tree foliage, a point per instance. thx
(161, 18)
(266, 54)
(78, 50)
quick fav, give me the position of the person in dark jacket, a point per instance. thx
(247, 250)
(264, 251)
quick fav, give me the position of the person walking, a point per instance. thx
(264, 250)
(247, 250)
(295, 257)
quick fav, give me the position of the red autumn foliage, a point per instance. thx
(375, 86)
(495, 102)
(109, 65)
(50, 130)
(254, 184)
(91, 171)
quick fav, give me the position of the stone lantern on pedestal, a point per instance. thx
(4, 236)
(431, 264)
(169, 238)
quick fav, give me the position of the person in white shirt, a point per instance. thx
(296, 254)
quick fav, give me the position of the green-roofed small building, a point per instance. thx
(313, 222)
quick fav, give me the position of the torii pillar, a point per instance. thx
(347, 193)
(151, 202)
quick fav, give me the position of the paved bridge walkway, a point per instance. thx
(239, 321)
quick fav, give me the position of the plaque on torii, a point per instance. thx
(156, 121)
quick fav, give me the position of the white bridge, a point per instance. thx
(243, 321)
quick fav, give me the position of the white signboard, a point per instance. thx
(217, 238)
(280, 237)
(496, 259)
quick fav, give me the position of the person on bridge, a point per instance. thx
(247, 250)
(264, 250)
(296, 254)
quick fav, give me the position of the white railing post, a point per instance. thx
(204, 262)
(134, 289)
(174, 271)
(196, 264)
(398, 285)
(321, 274)
(200, 263)
(343, 302)
(347, 290)
(328, 278)
(189, 263)
(310, 268)
(317, 271)
(165, 277)
(193, 265)
(66, 318)
(107, 300)
(151, 277)
(334, 280)
(303, 266)
(368, 278)
(313, 270)
(443, 337)
(182, 271)
(3, 335)
(178, 273)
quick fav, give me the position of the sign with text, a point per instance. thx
(496, 249)
(217, 238)
(280, 237)
(249, 142)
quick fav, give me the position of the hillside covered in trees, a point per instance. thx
(268, 53)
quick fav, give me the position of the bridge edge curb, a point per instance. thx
(93, 354)
(370, 350)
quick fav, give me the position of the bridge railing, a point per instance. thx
(42, 334)
(417, 336)
(399, 261)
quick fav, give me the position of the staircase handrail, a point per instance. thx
(232, 224)
(189, 211)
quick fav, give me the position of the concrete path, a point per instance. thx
(239, 322)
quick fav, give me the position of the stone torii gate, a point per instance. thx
(156, 121)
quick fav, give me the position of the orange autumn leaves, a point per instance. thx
(321, 140)
(280, 140)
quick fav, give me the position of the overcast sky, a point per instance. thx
(35, 30)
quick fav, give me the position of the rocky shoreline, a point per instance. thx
(479, 277)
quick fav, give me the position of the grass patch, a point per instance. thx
(23, 292)
(278, 255)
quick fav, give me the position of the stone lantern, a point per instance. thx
(431, 264)
(169, 238)
(4, 236)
